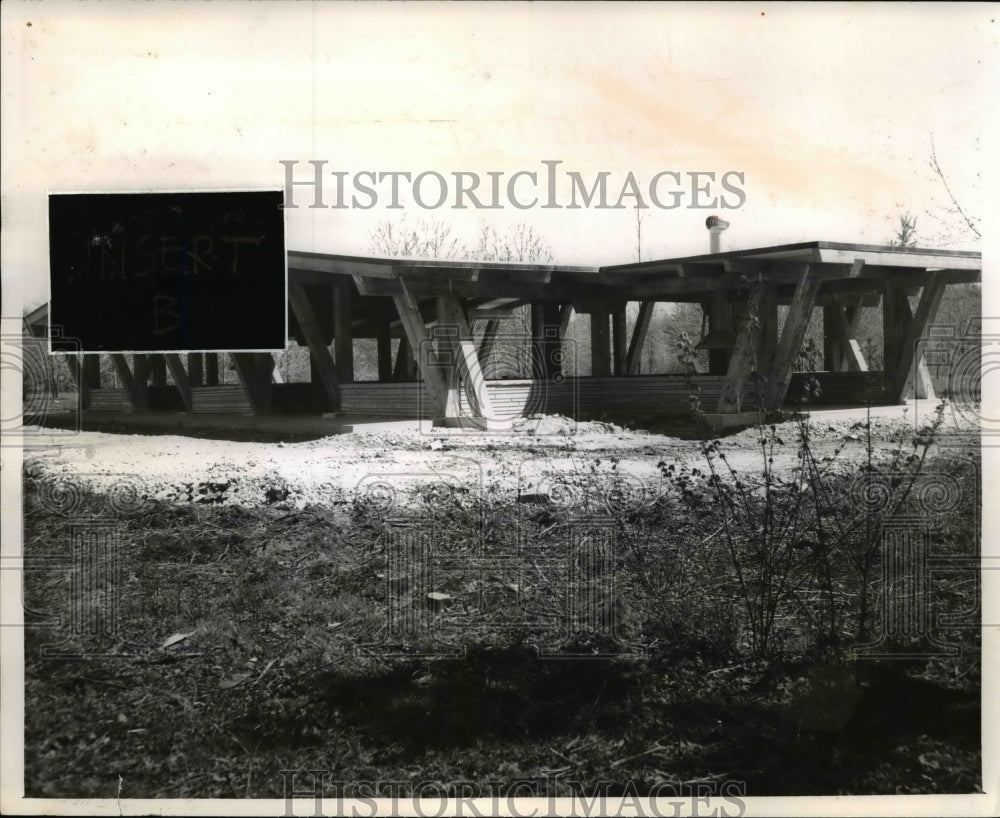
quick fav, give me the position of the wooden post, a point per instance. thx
(791, 337)
(321, 362)
(92, 371)
(211, 369)
(265, 366)
(546, 340)
(140, 374)
(895, 323)
(384, 341)
(619, 340)
(343, 330)
(445, 335)
(719, 318)
(538, 346)
(633, 363)
(832, 349)
(767, 343)
(75, 362)
(194, 369)
(600, 359)
(140, 369)
(180, 377)
(158, 369)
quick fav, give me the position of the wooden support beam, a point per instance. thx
(194, 369)
(181, 379)
(619, 340)
(905, 374)
(546, 341)
(266, 368)
(743, 358)
(896, 320)
(319, 353)
(445, 335)
(633, 363)
(140, 372)
(211, 369)
(157, 369)
(719, 318)
(135, 391)
(767, 342)
(832, 341)
(600, 353)
(249, 371)
(92, 371)
(343, 338)
(565, 314)
(418, 338)
(75, 362)
(384, 341)
(792, 335)
(405, 368)
(843, 323)
(487, 342)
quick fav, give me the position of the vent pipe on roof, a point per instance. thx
(715, 227)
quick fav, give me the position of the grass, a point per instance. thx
(293, 649)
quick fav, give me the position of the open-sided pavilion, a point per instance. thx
(437, 366)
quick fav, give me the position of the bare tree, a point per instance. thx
(430, 238)
(957, 222)
(520, 243)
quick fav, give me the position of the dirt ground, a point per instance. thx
(388, 464)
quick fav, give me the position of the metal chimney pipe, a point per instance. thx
(715, 227)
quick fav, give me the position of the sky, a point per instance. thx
(826, 111)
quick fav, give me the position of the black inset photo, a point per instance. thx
(157, 272)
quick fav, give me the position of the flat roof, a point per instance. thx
(682, 277)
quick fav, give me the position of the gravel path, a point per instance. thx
(390, 465)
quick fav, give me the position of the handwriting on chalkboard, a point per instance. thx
(115, 256)
(168, 271)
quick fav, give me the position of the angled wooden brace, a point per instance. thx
(638, 341)
(180, 377)
(318, 350)
(905, 374)
(469, 370)
(419, 340)
(792, 336)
